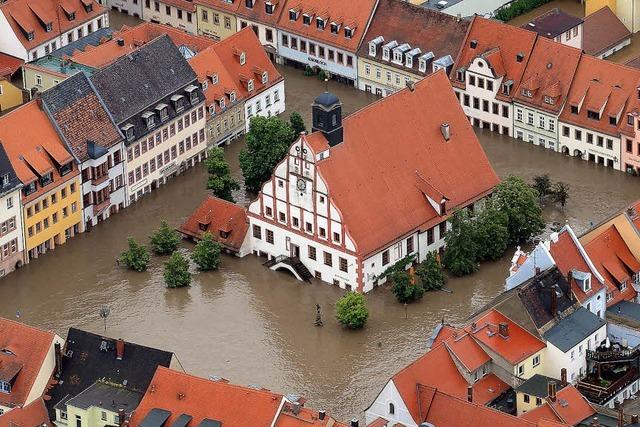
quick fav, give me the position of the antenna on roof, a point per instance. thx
(104, 313)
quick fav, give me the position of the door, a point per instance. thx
(378, 91)
(295, 251)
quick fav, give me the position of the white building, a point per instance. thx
(178, 14)
(11, 228)
(30, 31)
(559, 26)
(130, 7)
(311, 212)
(262, 17)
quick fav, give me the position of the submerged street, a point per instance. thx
(254, 326)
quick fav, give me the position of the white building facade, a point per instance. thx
(268, 102)
(535, 126)
(130, 7)
(590, 144)
(11, 228)
(179, 14)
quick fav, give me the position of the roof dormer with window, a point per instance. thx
(249, 3)
(178, 101)
(269, 7)
(265, 77)
(250, 85)
(373, 45)
(129, 131)
(163, 111)
(335, 28)
(306, 18)
(192, 91)
(320, 23)
(386, 50)
(150, 119)
(293, 14)
(348, 32)
(221, 102)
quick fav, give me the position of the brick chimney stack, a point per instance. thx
(120, 349)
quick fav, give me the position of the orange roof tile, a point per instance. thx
(553, 66)
(603, 30)
(216, 215)
(26, 348)
(366, 174)
(9, 64)
(132, 38)
(258, 13)
(23, 17)
(444, 334)
(570, 407)
(306, 417)
(201, 398)
(467, 351)
(354, 14)
(34, 414)
(514, 348)
(499, 43)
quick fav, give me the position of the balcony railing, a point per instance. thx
(601, 394)
(99, 180)
(613, 355)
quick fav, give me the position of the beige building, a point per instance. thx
(216, 18)
(177, 13)
(47, 72)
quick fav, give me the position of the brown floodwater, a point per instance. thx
(254, 326)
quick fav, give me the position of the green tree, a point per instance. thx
(430, 273)
(461, 252)
(176, 271)
(521, 204)
(404, 288)
(542, 184)
(165, 239)
(561, 193)
(351, 310)
(220, 180)
(491, 233)
(207, 253)
(268, 140)
(136, 257)
(297, 124)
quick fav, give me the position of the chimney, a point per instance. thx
(57, 348)
(119, 349)
(503, 329)
(458, 17)
(38, 97)
(354, 422)
(551, 390)
(620, 416)
(445, 129)
(595, 422)
(473, 44)
(295, 408)
(563, 377)
(120, 42)
(121, 417)
(321, 415)
(469, 393)
(554, 302)
(411, 85)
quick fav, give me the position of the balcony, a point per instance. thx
(602, 388)
(98, 208)
(99, 180)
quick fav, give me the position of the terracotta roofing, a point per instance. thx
(548, 75)
(218, 217)
(23, 353)
(601, 86)
(437, 369)
(33, 146)
(429, 30)
(553, 23)
(500, 44)
(305, 417)
(26, 16)
(9, 65)
(569, 407)
(518, 345)
(467, 351)
(258, 12)
(220, 84)
(613, 259)
(374, 183)
(131, 39)
(231, 405)
(230, 50)
(354, 15)
(34, 414)
(81, 115)
(602, 31)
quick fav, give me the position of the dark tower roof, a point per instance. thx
(326, 99)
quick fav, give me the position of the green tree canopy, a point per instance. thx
(521, 204)
(165, 239)
(351, 310)
(542, 184)
(268, 140)
(461, 250)
(207, 253)
(491, 232)
(136, 257)
(297, 124)
(430, 273)
(176, 271)
(561, 193)
(403, 288)
(220, 180)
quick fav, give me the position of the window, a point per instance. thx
(530, 118)
(385, 257)
(519, 115)
(309, 227)
(328, 259)
(565, 131)
(536, 360)
(323, 232)
(392, 409)
(38, 80)
(343, 264)
(270, 236)
(521, 370)
(410, 245)
(538, 401)
(257, 232)
(312, 252)
(526, 398)
(282, 217)
(578, 134)
(268, 211)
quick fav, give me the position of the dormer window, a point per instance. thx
(248, 3)
(422, 65)
(335, 28)
(46, 179)
(250, 85)
(373, 49)
(232, 96)
(128, 131)
(386, 53)
(320, 23)
(409, 62)
(193, 94)
(527, 93)
(30, 188)
(212, 110)
(574, 109)
(48, 27)
(293, 15)
(178, 102)
(71, 16)
(306, 19)
(4, 180)
(30, 35)
(214, 78)
(593, 115)
(150, 119)
(163, 112)
(268, 7)
(265, 77)
(506, 88)
(397, 57)
(65, 169)
(460, 75)
(548, 100)
(243, 58)
(613, 120)
(348, 32)
(5, 387)
(88, 7)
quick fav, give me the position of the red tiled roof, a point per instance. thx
(207, 64)
(25, 348)
(25, 15)
(32, 143)
(444, 334)
(306, 417)
(201, 398)
(614, 260)
(218, 215)
(9, 65)
(552, 66)
(372, 181)
(353, 14)
(500, 44)
(519, 344)
(104, 54)
(603, 30)
(467, 351)
(258, 13)
(570, 407)
(34, 414)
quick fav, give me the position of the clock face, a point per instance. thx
(302, 184)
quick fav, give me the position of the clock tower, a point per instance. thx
(327, 117)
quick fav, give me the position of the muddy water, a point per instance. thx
(254, 326)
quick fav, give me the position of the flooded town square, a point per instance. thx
(254, 326)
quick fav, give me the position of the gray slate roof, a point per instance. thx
(142, 78)
(92, 39)
(536, 386)
(573, 329)
(626, 309)
(67, 92)
(108, 397)
(7, 169)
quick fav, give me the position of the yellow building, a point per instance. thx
(628, 11)
(216, 18)
(51, 196)
(48, 71)
(10, 95)
(595, 5)
(532, 393)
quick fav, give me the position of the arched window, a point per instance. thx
(392, 409)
